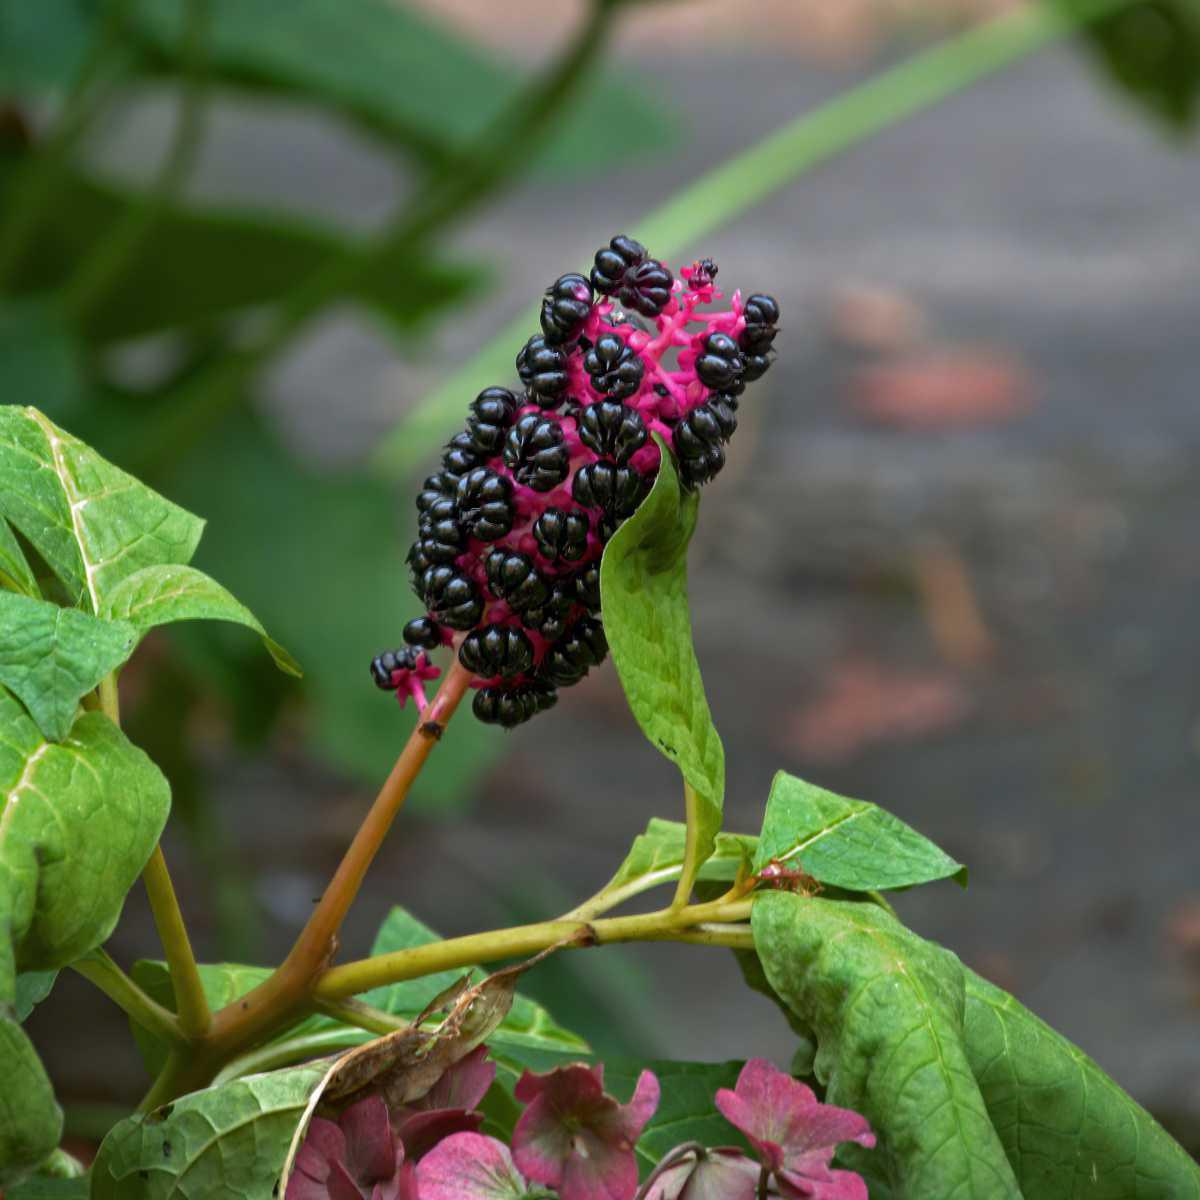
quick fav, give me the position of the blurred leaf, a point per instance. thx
(52, 656)
(161, 594)
(398, 74)
(42, 44)
(887, 1011)
(1068, 1129)
(15, 574)
(847, 843)
(333, 587)
(223, 1143)
(42, 1187)
(91, 522)
(643, 584)
(39, 359)
(32, 988)
(30, 1120)
(196, 264)
(1150, 50)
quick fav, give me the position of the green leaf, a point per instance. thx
(30, 1120)
(52, 656)
(40, 358)
(643, 586)
(161, 594)
(349, 55)
(887, 1009)
(15, 574)
(203, 263)
(657, 855)
(32, 988)
(90, 521)
(1068, 1130)
(847, 843)
(527, 1024)
(79, 821)
(224, 1143)
(41, 45)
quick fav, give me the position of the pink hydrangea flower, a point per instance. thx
(356, 1158)
(447, 1108)
(694, 1173)
(577, 1138)
(795, 1135)
(469, 1166)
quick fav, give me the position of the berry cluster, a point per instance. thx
(511, 529)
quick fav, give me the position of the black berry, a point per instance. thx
(566, 306)
(543, 371)
(551, 617)
(382, 666)
(507, 707)
(623, 267)
(562, 535)
(612, 430)
(485, 504)
(536, 454)
(762, 316)
(617, 491)
(587, 587)
(435, 488)
(492, 412)
(697, 440)
(422, 632)
(461, 455)
(719, 363)
(583, 647)
(615, 369)
(452, 596)
(496, 650)
(513, 578)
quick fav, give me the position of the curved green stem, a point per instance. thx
(98, 968)
(691, 847)
(750, 177)
(362, 1016)
(103, 267)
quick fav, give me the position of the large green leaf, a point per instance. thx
(887, 1009)
(398, 74)
(1069, 1131)
(197, 264)
(643, 587)
(15, 574)
(52, 656)
(847, 843)
(30, 1120)
(333, 589)
(90, 521)
(225, 1143)
(79, 822)
(42, 1187)
(167, 592)
(32, 988)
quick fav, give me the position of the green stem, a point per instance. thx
(98, 968)
(363, 1016)
(691, 847)
(86, 97)
(706, 924)
(465, 182)
(104, 266)
(750, 177)
(190, 1001)
(287, 1052)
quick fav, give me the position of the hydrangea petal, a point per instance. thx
(371, 1150)
(421, 1131)
(839, 1185)
(720, 1174)
(340, 1184)
(469, 1166)
(464, 1085)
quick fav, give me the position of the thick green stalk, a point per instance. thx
(98, 968)
(748, 178)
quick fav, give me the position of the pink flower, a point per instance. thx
(694, 1173)
(356, 1158)
(575, 1137)
(794, 1134)
(469, 1166)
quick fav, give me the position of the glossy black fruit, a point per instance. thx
(485, 504)
(536, 454)
(496, 650)
(543, 371)
(562, 535)
(566, 306)
(612, 430)
(615, 369)
(513, 578)
(382, 666)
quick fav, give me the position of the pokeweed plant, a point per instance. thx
(556, 531)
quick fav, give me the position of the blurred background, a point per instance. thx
(252, 251)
